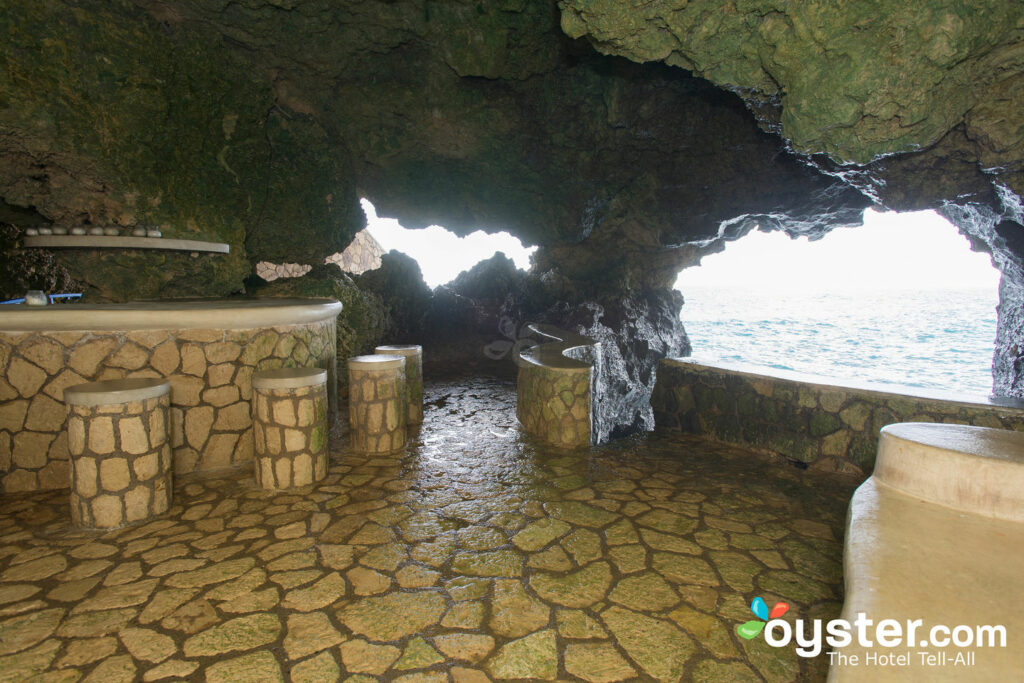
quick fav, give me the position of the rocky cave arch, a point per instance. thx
(619, 138)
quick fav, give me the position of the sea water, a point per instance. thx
(929, 339)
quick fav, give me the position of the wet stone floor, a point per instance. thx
(475, 555)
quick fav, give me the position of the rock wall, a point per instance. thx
(578, 126)
(823, 426)
(114, 117)
(853, 80)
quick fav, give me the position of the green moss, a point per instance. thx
(703, 398)
(855, 80)
(318, 438)
(746, 405)
(880, 418)
(822, 423)
(166, 127)
(862, 452)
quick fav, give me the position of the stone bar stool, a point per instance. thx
(413, 354)
(289, 426)
(376, 403)
(120, 455)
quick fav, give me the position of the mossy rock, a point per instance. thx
(822, 423)
(404, 296)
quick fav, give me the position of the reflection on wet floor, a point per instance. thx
(477, 554)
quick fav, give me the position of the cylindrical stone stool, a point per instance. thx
(376, 403)
(413, 354)
(289, 426)
(120, 455)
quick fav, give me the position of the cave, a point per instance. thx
(194, 148)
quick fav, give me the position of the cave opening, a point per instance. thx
(901, 300)
(441, 253)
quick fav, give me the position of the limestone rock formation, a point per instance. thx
(852, 79)
(361, 255)
(399, 284)
(478, 321)
(26, 269)
(261, 124)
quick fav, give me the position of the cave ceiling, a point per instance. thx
(625, 138)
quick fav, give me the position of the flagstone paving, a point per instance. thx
(476, 555)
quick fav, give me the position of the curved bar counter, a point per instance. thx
(937, 534)
(207, 348)
(553, 399)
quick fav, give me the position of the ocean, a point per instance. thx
(926, 339)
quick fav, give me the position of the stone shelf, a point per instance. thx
(123, 242)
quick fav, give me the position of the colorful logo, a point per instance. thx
(751, 628)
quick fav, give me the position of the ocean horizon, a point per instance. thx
(923, 338)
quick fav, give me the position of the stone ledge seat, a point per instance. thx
(554, 386)
(289, 427)
(119, 452)
(377, 403)
(937, 534)
(288, 378)
(413, 354)
(111, 391)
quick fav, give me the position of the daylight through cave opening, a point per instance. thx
(900, 300)
(441, 253)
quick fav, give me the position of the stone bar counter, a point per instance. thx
(553, 399)
(208, 349)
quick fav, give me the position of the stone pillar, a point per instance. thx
(120, 455)
(289, 426)
(413, 354)
(554, 404)
(376, 403)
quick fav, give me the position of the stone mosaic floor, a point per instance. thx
(474, 556)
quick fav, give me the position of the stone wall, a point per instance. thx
(824, 426)
(210, 372)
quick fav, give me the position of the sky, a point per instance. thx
(913, 250)
(442, 255)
